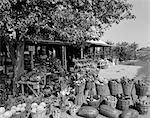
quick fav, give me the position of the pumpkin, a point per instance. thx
(130, 113)
(7, 114)
(22, 109)
(2, 110)
(34, 105)
(13, 111)
(24, 104)
(88, 112)
(43, 104)
(13, 107)
(109, 111)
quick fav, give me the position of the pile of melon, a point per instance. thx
(14, 110)
(35, 108)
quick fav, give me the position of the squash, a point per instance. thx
(43, 104)
(13, 107)
(109, 111)
(34, 105)
(130, 113)
(88, 112)
(7, 114)
(2, 110)
(24, 104)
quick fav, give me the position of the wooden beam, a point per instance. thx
(82, 54)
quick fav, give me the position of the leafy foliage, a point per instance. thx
(125, 51)
(66, 20)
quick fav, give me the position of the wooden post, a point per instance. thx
(82, 55)
(64, 59)
(104, 52)
(31, 55)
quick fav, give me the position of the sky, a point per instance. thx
(137, 30)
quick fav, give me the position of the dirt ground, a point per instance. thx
(131, 69)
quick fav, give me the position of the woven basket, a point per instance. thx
(19, 115)
(127, 89)
(111, 102)
(142, 109)
(102, 89)
(123, 104)
(115, 88)
(94, 103)
(39, 115)
(141, 90)
(80, 88)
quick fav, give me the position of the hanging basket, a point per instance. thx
(115, 87)
(123, 103)
(102, 89)
(141, 90)
(142, 108)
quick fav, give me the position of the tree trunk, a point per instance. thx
(19, 65)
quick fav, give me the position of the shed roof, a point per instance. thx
(98, 43)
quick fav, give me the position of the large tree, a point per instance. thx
(66, 20)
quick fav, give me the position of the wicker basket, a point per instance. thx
(94, 103)
(110, 102)
(80, 88)
(102, 89)
(39, 115)
(141, 90)
(19, 115)
(142, 109)
(123, 104)
(127, 87)
(115, 88)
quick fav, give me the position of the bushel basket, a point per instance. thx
(19, 115)
(115, 87)
(123, 103)
(127, 87)
(94, 103)
(141, 90)
(142, 108)
(102, 89)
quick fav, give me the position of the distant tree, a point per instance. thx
(67, 20)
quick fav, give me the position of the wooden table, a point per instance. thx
(30, 85)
